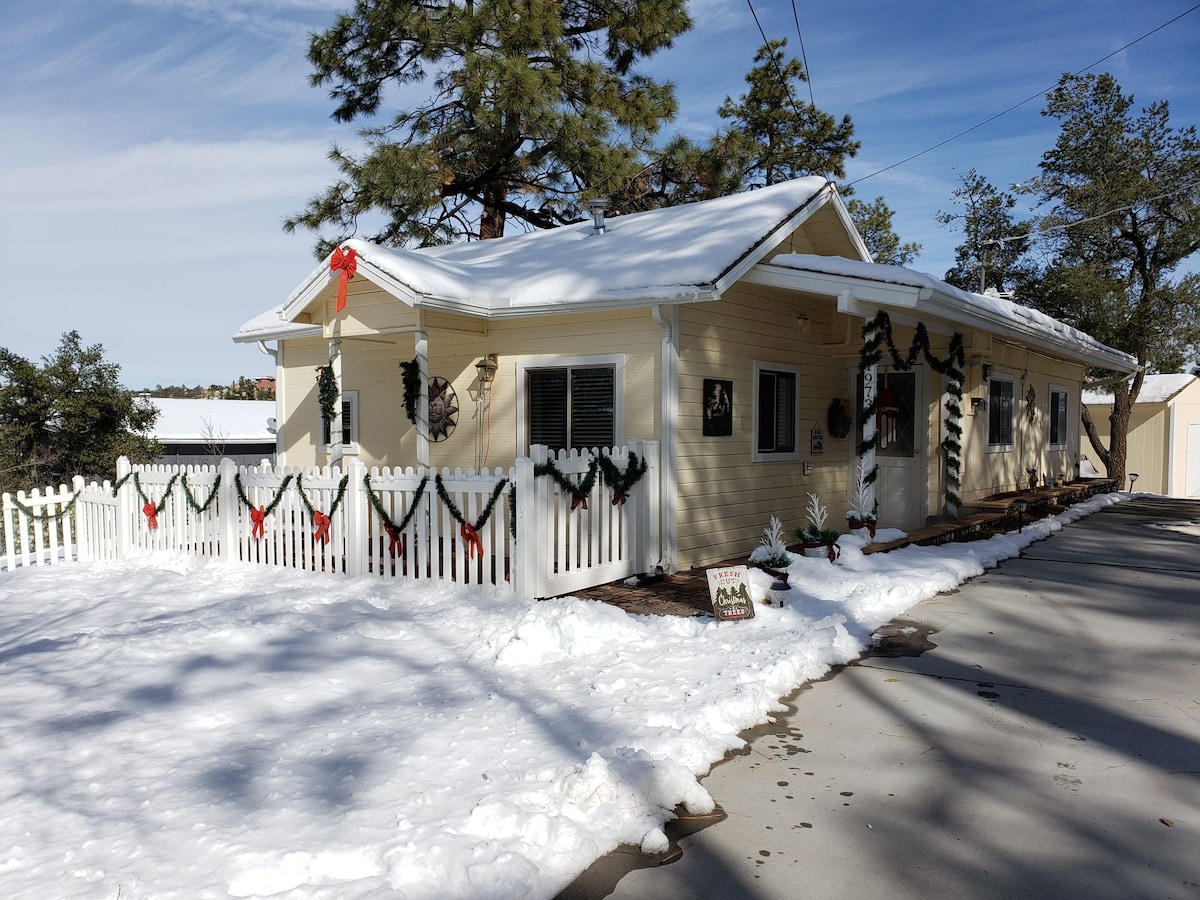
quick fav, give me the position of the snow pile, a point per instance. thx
(180, 728)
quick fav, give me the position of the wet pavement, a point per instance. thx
(1033, 734)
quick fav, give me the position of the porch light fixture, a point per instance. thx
(486, 370)
(596, 207)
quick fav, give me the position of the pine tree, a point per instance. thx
(774, 135)
(874, 223)
(532, 106)
(994, 243)
(67, 417)
(1124, 196)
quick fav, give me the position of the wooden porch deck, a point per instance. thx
(686, 593)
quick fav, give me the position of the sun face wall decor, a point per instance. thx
(443, 409)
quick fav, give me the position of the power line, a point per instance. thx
(1040, 93)
(803, 55)
(775, 62)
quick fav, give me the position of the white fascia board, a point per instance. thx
(740, 269)
(1099, 356)
(316, 282)
(285, 331)
(701, 294)
(855, 289)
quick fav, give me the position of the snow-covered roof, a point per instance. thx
(199, 421)
(927, 295)
(673, 255)
(1155, 389)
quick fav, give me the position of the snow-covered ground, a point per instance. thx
(180, 728)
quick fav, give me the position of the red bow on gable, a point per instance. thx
(345, 261)
(151, 515)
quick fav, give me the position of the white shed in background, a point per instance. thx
(201, 432)
(1164, 434)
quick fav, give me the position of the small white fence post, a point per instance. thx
(525, 551)
(358, 508)
(229, 509)
(126, 505)
(83, 540)
(647, 521)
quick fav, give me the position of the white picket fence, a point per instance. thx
(468, 527)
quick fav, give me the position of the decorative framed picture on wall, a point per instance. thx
(718, 407)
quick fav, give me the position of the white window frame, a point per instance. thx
(757, 455)
(1009, 447)
(348, 399)
(1066, 435)
(615, 360)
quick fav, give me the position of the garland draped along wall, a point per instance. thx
(878, 332)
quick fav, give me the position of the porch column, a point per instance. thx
(335, 424)
(421, 349)
(870, 376)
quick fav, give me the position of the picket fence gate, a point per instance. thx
(550, 525)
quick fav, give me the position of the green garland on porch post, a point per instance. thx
(876, 334)
(327, 391)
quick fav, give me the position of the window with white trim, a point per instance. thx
(571, 406)
(349, 423)
(776, 399)
(1001, 414)
(1058, 417)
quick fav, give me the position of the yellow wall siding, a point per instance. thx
(986, 471)
(725, 498)
(298, 434)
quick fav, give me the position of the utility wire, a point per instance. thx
(803, 55)
(1040, 93)
(778, 71)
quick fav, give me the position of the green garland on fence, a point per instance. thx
(579, 492)
(327, 391)
(876, 333)
(412, 388)
(341, 492)
(456, 513)
(191, 501)
(270, 507)
(377, 505)
(46, 516)
(619, 481)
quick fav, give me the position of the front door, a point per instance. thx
(901, 486)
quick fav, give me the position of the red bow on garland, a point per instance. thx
(619, 498)
(256, 519)
(347, 263)
(151, 515)
(322, 522)
(474, 541)
(576, 502)
(394, 544)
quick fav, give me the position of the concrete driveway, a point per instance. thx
(1035, 734)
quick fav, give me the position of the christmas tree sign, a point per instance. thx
(729, 590)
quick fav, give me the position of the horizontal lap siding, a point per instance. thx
(726, 499)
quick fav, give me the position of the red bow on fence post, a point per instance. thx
(256, 519)
(474, 541)
(393, 540)
(322, 522)
(151, 515)
(347, 263)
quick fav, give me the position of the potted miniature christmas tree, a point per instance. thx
(815, 538)
(863, 512)
(771, 554)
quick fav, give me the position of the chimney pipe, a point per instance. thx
(596, 207)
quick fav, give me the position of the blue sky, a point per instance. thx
(149, 149)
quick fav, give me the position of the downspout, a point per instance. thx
(668, 323)
(279, 421)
